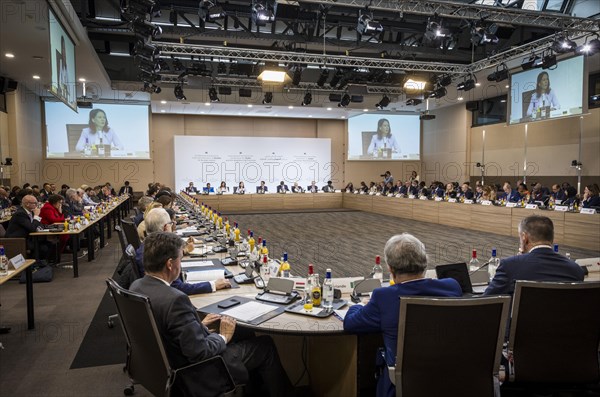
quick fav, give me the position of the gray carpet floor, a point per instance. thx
(36, 363)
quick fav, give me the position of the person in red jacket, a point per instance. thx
(51, 212)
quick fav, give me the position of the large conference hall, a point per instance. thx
(171, 168)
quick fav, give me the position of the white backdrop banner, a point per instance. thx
(212, 159)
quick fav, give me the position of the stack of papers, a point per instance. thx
(249, 311)
(205, 275)
(187, 264)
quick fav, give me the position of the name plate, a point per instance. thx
(345, 284)
(452, 200)
(486, 202)
(439, 198)
(372, 194)
(411, 196)
(399, 195)
(423, 198)
(511, 205)
(377, 194)
(356, 192)
(531, 206)
(561, 208)
(391, 195)
(588, 211)
(468, 202)
(16, 262)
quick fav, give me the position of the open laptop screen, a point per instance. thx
(457, 271)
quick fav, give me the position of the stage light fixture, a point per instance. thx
(212, 95)
(307, 99)
(414, 102)
(383, 103)
(178, 92)
(367, 25)
(146, 29)
(563, 44)
(589, 47)
(268, 98)
(500, 74)
(297, 76)
(549, 60)
(323, 77)
(345, 101)
(467, 85)
(532, 61)
(336, 78)
(439, 92)
(435, 29)
(263, 12)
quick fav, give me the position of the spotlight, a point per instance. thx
(499, 74)
(414, 102)
(466, 85)
(385, 101)
(297, 76)
(178, 65)
(589, 48)
(323, 77)
(533, 61)
(151, 88)
(221, 68)
(549, 61)
(563, 44)
(345, 101)
(367, 25)
(435, 30)
(215, 13)
(484, 35)
(426, 116)
(307, 99)
(263, 12)
(268, 98)
(445, 80)
(146, 51)
(336, 78)
(178, 92)
(212, 95)
(439, 92)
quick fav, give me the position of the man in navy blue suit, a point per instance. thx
(510, 195)
(407, 261)
(537, 262)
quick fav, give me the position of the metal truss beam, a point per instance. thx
(470, 11)
(311, 59)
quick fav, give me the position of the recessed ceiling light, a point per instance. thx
(477, 84)
(328, 108)
(310, 115)
(9, 55)
(163, 102)
(365, 110)
(36, 77)
(81, 79)
(343, 117)
(206, 103)
(201, 112)
(239, 113)
(460, 98)
(290, 107)
(506, 86)
(249, 105)
(162, 111)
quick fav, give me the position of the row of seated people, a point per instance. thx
(261, 189)
(45, 207)
(159, 258)
(565, 195)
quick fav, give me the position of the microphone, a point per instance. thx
(480, 267)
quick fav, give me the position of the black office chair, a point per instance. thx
(131, 234)
(128, 272)
(458, 339)
(147, 363)
(554, 335)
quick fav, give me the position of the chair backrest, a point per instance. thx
(459, 338)
(14, 246)
(130, 253)
(147, 362)
(555, 332)
(122, 239)
(73, 134)
(131, 234)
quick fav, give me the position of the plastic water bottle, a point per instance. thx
(377, 269)
(285, 266)
(308, 302)
(474, 262)
(493, 265)
(101, 148)
(328, 291)
(3, 262)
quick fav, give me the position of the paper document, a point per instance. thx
(186, 264)
(340, 313)
(200, 250)
(249, 311)
(186, 230)
(205, 275)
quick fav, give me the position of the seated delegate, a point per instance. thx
(406, 259)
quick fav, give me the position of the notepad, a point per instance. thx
(186, 264)
(205, 275)
(249, 311)
(200, 250)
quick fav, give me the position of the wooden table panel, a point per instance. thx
(234, 202)
(455, 214)
(389, 206)
(210, 200)
(327, 200)
(425, 210)
(491, 219)
(298, 201)
(582, 230)
(267, 201)
(360, 202)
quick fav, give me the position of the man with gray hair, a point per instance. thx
(537, 260)
(143, 203)
(158, 220)
(406, 259)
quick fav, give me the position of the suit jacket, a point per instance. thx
(512, 197)
(186, 340)
(312, 188)
(125, 190)
(328, 189)
(542, 264)
(381, 314)
(297, 189)
(21, 225)
(593, 201)
(192, 189)
(262, 189)
(282, 188)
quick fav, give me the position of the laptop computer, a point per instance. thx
(459, 272)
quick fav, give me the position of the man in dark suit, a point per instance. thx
(312, 188)
(510, 195)
(466, 192)
(26, 220)
(329, 187)
(262, 188)
(406, 259)
(126, 189)
(45, 192)
(537, 262)
(282, 188)
(191, 188)
(188, 340)
(558, 193)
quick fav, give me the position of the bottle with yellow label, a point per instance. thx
(236, 233)
(251, 241)
(316, 290)
(285, 266)
(308, 302)
(220, 221)
(264, 250)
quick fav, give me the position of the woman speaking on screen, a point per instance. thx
(543, 99)
(383, 139)
(98, 132)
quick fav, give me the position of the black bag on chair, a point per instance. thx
(41, 273)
